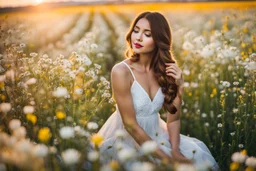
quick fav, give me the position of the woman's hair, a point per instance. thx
(161, 34)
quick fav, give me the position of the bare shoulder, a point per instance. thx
(119, 70)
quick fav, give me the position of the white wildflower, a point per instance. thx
(120, 133)
(199, 41)
(149, 147)
(126, 154)
(251, 66)
(219, 125)
(207, 51)
(71, 156)
(33, 54)
(187, 46)
(194, 84)
(94, 47)
(28, 109)
(23, 146)
(5, 107)
(30, 81)
(97, 66)
(79, 91)
(229, 52)
(238, 157)
(226, 84)
(20, 132)
(40, 150)
(10, 74)
(60, 92)
(87, 60)
(186, 72)
(118, 145)
(251, 162)
(14, 124)
(185, 167)
(66, 132)
(93, 155)
(240, 145)
(235, 110)
(92, 125)
(53, 150)
(186, 84)
(232, 133)
(204, 115)
(142, 166)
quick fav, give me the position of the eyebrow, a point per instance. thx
(145, 29)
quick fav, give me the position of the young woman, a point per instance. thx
(148, 80)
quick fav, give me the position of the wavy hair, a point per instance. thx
(162, 36)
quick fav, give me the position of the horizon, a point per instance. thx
(23, 3)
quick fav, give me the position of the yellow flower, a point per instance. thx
(245, 30)
(82, 121)
(234, 166)
(97, 139)
(1, 85)
(60, 115)
(214, 91)
(243, 45)
(249, 169)
(190, 94)
(114, 165)
(31, 117)
(44, 134)
(46, 106)
(87, 93)
(2, 97)
(244, 152)
(225, 27)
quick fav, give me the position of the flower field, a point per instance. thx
(55, 90)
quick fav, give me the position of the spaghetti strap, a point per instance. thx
(129, 69)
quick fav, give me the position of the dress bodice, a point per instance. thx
(142, 103)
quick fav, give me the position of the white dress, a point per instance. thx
(149, 119)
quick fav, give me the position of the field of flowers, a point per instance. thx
(55, 90)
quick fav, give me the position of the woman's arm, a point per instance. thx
(173, 119)
(173, 122)
(122, 94)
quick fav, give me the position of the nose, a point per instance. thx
(139, 37)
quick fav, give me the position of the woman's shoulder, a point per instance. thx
(120, 68)
(120, 74)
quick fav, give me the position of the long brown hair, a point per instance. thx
(161, 34)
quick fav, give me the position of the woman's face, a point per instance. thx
(141, 37)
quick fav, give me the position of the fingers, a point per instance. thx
(172, 66)
(171, 70)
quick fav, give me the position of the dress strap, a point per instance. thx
(129, 69)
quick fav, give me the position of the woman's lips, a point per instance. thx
(137, 45)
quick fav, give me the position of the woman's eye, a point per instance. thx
(135, 31)
(148, 35)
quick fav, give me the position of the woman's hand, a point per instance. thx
(177, 156)
(175, 72)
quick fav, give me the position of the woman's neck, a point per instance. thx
(145, 61)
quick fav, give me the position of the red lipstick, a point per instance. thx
(137, 45)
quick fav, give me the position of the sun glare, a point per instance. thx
(39, 1)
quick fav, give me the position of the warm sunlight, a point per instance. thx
(39, 1)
